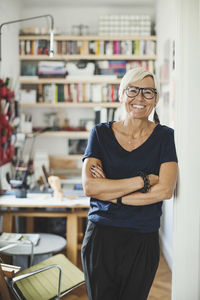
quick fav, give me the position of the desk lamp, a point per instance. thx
(51, 52)
(19, 181)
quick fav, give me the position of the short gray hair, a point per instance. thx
(134, 75)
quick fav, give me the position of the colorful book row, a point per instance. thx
(99, 47)
(80, 92)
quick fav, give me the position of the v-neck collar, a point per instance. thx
(139, 147)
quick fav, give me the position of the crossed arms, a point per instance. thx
(96, 185)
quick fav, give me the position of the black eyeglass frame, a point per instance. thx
(140, 89)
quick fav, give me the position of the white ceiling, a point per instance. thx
(90, 2)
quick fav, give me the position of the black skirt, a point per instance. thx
(119, 263)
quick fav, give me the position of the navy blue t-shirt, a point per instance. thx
(119, 163)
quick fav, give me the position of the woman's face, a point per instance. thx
(140, 106)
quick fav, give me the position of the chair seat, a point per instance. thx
(45, 285)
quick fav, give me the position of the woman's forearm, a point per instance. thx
(96, 185)
(108, 189)
(157, 193)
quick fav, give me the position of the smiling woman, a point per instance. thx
(129, 168)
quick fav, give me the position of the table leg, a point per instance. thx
(80, 229)
(30, 222)
(7, 223)
(29, 225)
(72, 237)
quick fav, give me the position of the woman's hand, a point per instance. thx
(97, 171)
(153, 179)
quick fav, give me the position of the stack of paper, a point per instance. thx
(19, 237)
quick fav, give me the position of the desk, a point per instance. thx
(76, 208)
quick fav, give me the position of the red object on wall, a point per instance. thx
(6, 119)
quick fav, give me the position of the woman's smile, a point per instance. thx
(138, 107)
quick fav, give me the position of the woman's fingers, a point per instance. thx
(93, 173)
(100, 170)
(97, 171)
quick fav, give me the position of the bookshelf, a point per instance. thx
(92, 79)
(72, 105)
(86, 38)
(120, 53)
(88, 57)
(67, 134)
(112, 57)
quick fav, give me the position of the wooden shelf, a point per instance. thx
(68, 156)
(68, 134)
(88, 57)
(86, 38)
(72, 104)
(66, 81)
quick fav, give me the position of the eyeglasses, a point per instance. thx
(147, 93)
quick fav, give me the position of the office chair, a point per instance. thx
(50, 279)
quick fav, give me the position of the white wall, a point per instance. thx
(165, 25)
(9, 66)
(186, 267)
(65, 16)
(10, 10)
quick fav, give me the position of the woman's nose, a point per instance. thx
(140, 95)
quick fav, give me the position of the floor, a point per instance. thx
(161, 289)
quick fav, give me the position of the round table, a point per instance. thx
(46, 246)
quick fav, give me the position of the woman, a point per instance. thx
(129, 168)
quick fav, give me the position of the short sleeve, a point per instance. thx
(93, 147)
(168, 148)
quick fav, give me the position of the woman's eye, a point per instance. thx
(148, 92)
(133, 91)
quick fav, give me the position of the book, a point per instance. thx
(19, 237)
(60, 92)
(49, 93)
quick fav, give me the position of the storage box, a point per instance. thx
(28, 96)
(80, 68)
